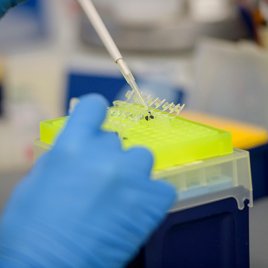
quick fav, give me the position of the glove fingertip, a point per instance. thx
(94, 99)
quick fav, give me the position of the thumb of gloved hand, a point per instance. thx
(86, 203)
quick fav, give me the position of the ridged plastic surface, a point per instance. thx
(173, 140)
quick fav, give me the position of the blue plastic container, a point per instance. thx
(208, 225)
(214, 235)
(259, 170)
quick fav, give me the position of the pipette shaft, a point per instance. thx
(110, 45)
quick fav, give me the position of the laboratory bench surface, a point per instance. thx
(258, 220)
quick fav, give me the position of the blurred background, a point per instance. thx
(211, 55)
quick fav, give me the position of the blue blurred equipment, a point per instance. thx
(114, 87)
(5, 5)
(87, 203)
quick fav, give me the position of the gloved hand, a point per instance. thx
(86, 203)
(5, 5)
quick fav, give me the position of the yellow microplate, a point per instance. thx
(172, 139)
(245, 136)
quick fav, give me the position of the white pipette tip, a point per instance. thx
(130, 80)
(110, 45)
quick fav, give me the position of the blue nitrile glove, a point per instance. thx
(5, 5)
(86, 203)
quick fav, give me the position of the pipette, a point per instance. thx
(110, 45)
